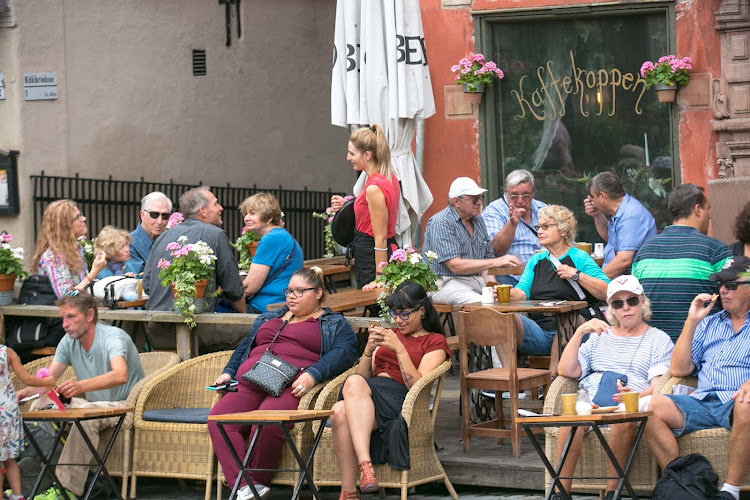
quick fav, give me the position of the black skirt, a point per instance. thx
(389, 443)
(363, 251)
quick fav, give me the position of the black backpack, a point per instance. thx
(25, 334)
(688, 478)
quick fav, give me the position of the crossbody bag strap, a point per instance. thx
(284, 265)
(574, 284)
(520, 218)
(283, 324)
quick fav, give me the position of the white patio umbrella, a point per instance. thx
(380, 76)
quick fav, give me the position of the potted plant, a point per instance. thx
(330, 245)
(405, 265)
(187, 274)
(666, 75)
(11, 266)
(246, 245)
(474, 73)
(88, 249)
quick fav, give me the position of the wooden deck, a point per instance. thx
(488, 464)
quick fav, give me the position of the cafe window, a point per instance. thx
(573, 104)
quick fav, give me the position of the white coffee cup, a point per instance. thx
(487, 297)
(599, 249)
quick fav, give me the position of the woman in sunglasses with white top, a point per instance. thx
(626, 346)
(366, 423)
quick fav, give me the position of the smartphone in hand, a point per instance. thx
(222, 387)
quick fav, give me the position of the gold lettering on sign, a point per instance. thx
(547, 100)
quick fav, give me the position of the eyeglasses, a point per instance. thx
(155, 215)
(731, 285)
(79, 217)
(632, 302)
(473, 199)
(544, 227)
(403, 314)
(297, 292)
(514, 197)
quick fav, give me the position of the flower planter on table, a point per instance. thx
(7, 282)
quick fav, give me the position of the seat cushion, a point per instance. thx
(177, 414)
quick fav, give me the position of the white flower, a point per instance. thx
(88, 248)
(431, 255)
(182, 239)
(415, 258)
(656, 187)
(6, 246)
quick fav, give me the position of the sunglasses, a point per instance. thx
(403, 314)
(632, 302)
(731, 285)
(473, 199)
(544, 227)
(155, 215)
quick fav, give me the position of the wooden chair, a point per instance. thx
(425, 464)
(487, 327)
(177, 449)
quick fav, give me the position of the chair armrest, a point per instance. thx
(666, 383)
(561, 385)
(329, 394)
(424, 382)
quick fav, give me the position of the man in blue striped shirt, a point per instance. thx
(717, 349)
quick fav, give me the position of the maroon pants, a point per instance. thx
(270, 442)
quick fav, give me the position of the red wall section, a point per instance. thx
(525, 4)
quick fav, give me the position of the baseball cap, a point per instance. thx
(625, 283)
(732, 269)
(464, 186)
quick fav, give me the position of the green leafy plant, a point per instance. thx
(405, 265)
(330, 244)
(11, 259)
(668, 70)
(190, 263)
(241, 245)
(88, 249)
(473, 70)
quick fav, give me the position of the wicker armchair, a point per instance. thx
(593, 461)
(711, 443)
(302, 435)
(170, 449)
(425, 465)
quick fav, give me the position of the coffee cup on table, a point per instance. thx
(569, 403)
(598, 249)
(585, 247)
(631, 401)
(487, 297)
(503, 293)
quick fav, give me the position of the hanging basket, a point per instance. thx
(665, 93)
(473, 93)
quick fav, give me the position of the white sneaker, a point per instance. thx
(521, 395)
(245, 493)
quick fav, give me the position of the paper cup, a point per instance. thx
(631, 401)
(503, 293)
(569, 403)
(586, 247)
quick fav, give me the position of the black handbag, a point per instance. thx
(26, 334)
(271, 373)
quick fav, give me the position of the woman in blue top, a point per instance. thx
(278, 255)
(545, 279)
(115, 243)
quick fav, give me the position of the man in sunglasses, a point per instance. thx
(674, 266)
(464, 253)
(203, 221)
(717, 349)
(510, 220)
(155, 211)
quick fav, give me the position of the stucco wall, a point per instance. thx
(130, 106)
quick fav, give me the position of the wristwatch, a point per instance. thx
(576, 276)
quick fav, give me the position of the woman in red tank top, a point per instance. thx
(367, 424)
(376, 207)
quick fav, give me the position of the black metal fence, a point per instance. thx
(115, 202)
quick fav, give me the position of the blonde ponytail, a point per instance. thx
(373, 139)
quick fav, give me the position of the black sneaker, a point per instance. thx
(556, 496)
(610, 495)
(725, 494)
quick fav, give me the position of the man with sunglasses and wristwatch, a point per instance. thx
(716, 348)
(510, 220)
(458, 236)
(155, 211)
(674, 266)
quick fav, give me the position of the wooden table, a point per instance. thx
(594, 421)
(186, 339)
(281, 418)
(330, 272)
(65, 420)
(344, 301)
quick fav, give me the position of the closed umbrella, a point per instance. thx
(380, 75)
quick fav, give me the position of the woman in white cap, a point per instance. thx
(625, 355)
(376, 206)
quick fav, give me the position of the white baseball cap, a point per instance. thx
(625, 283)
(465, 186)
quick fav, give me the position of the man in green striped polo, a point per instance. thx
(674, 266)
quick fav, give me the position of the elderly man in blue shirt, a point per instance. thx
(510, 220)
(717, 348)
(629, 225)
(155, 211)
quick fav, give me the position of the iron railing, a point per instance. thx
(117, 203)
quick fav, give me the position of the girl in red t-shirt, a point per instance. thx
(392, 363)
(376, 207)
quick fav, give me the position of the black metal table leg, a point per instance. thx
(101, 469)
(46, 458)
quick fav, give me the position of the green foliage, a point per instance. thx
(241, 245)
(406, 265)
(11, 259)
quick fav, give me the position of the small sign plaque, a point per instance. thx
(39, 86)
(2, 86)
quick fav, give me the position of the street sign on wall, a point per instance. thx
(39, 86)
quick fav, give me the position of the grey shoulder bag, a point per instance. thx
(271, 373)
